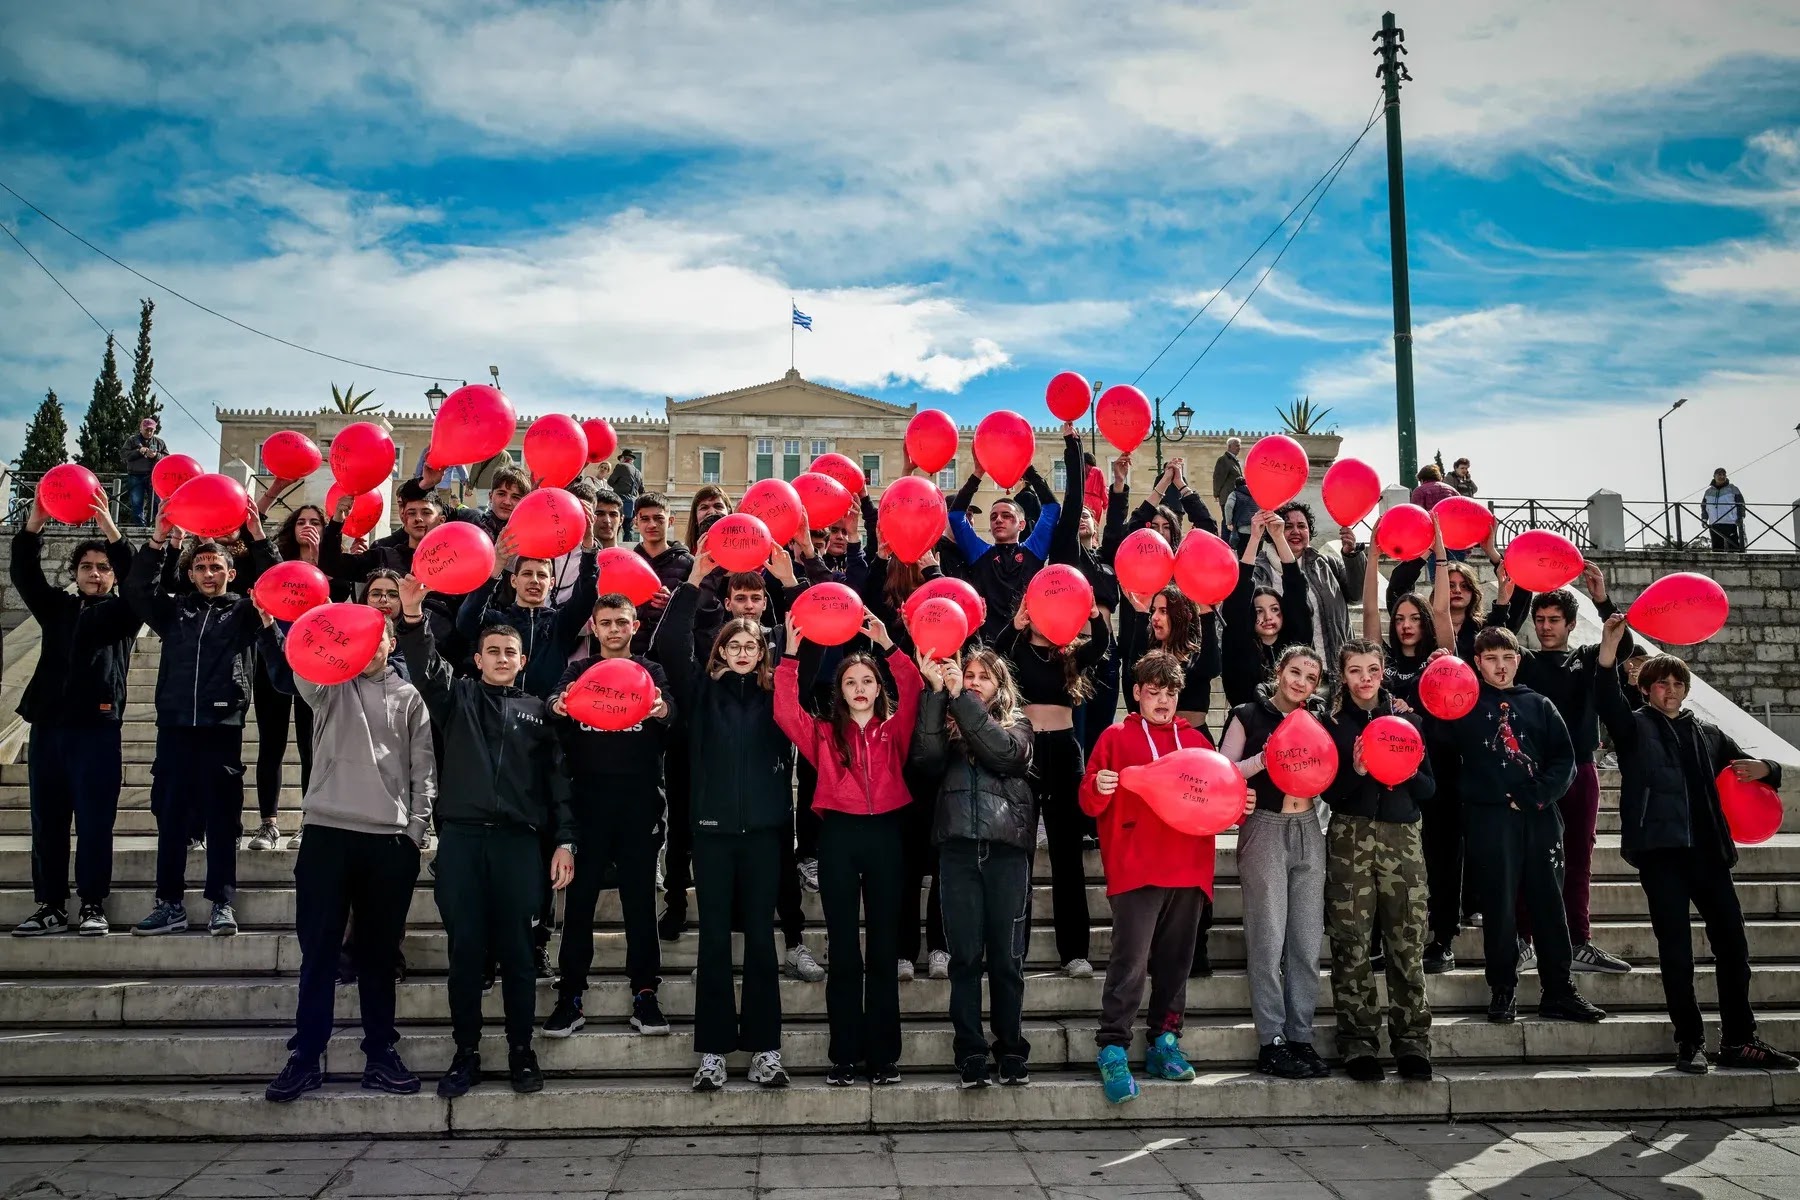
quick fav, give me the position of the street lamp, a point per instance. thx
(434, 396)
(1184, 416)
(1664, 458)
(495, 372)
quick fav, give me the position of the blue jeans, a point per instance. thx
(139, 498)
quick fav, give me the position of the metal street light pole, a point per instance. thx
(1663, 456)
(1183, 417)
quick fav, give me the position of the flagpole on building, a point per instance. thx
(791, 325)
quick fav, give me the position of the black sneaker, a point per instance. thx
(1201, 967)
(1439, 958)
(1690, 1058)
(841, 1075)
(1315, 1066)
(647, 1015)
(464, 1073)
(1365, 1068)
(297, 1078)
(673, 923)
(385, 1072)
(46, 920)
(1278, 1059)
(1013, 1071)
(886, 1075)
(1570, 1007)
(541, 960)
(1413, 1066)
(1503, 1006)
(975, 1072)
(522, 1063)
(565, 1019)
(1758, 1055)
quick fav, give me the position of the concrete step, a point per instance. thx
(138, 774)
(924, 1099)
(135, 819)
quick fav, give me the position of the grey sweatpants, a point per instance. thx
(1281, 866)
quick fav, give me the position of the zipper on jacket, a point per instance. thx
(199, 643)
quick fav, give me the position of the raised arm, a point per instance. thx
(1065, 540)
(1371, 620)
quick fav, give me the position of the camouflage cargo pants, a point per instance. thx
(1375, 871)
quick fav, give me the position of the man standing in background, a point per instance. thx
(629, 485)
(1227, 471)
(1723, 510)
(1460, 479)
(140, 454)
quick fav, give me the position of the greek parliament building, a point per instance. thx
(736, 437)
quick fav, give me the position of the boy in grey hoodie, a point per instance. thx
(367, 808)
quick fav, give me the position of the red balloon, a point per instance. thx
(824, 498)
(289, 590)
(1753, 810)
(931, 440)
(1449, 687)
(547, 522)
(1541, 561)
(1004, 445)
(334, 643)
(474, 423)
(966, 597)
(1275, 470)
(170, 472)
(1392, 750)
(210, 506)
(1144, 563)
(912, 517)
(1465, 522)
(1197, 792)
(1059, 600)
(777, 505)
(613, 694)
(842, 470)
(291, 455)
(828, 614)
(1352, 489)
(601, 440)
(365, 510)
(738, 542)
(1404, 531)
(1123, 415)
(628, 573)
(1206, 569)
(939, 627)
(67, 493)
(1300, 756)
(1068, 396)
(455, 558)
(555, 450)
(1681, 609)
(362, 456)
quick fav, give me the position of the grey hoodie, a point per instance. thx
(374, 770)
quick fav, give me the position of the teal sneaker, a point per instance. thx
(1164, 1060)
(1115, 1075)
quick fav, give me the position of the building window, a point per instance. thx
(1059, 477)
(709, 466)
(820, 446)
(790, 459)
(765, 459)
(871, 469)
(946, 478)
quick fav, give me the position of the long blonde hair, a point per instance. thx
(1004, 707)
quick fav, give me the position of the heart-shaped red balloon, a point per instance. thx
(601, 440)
(1392, 750)
(1541, 561)
(1275, 470)
(1683, 609)
(170, 472)
(1351, 489)
(939, 627)
(209, 506)
(1449, 687)
(1404, 531)
(613, 694)
(625, 571)
(738, 542)
(966, 597)
(1753, 810)
(1060, 601)
(1197, 792)
(1123, 416)
(365, 510)
(289, 590)
(1004, 445)
(824, 498)
(828, 614)
(556, 449)
(1068, 396)
(291, 455)
(931, 440)
(1206, 569)
(474, 423)
(362, 457)
(547, 522)
(67, 493)
(911, 517)
(455, 558)
(1300, 756)
(334, 642)
(1465, 522)
(1143, 562)
(777, 505)
(841, 469)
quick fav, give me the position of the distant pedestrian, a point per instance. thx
(1723, 510)
(1431, 487)
(1227, 471)
(629, 484)
(139, 456)
(1460, 479)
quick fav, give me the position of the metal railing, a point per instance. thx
(1567, 517)
(1650, 525)
(21, 489)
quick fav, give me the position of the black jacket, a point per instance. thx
(1668, 797)
(1244, 662)
(622, 767)
(518, 779)
(1515, 749)
(1364, 795)
(548, 634)
(742, 763)
(1566, 679)
(1065, 543)
(209, 645)
(84, 655)
(672, 566)
(983, 794)
(1259, 718)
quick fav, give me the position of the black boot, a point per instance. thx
(522, 1062)
(464, 1073)
(1503, 1007)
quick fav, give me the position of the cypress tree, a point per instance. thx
(45, 438)
(143, 401)
(107, 422)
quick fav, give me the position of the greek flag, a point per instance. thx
(801, 319)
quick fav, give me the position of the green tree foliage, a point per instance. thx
(45, 438)
(107, 422)
(143, 400)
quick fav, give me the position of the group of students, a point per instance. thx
(905, 767)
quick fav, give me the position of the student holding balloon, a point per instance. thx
(671, 561)
(1260, 621)
(1334, 582)
(549, 632)
(1001, 569)
(1677, 832)
(1077, 542)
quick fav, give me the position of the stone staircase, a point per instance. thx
(124, 1037)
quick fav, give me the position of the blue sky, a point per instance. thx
(614, 201)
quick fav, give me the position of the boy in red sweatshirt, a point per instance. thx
(1157, 881)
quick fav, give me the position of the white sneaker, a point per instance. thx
(906, 970)
(809, 874)
(766, 1070)
(711, 1075)
(1078, 968)
(800, 964)
(294, 842)
(937, 964)
(266, 836)
(1527, 956)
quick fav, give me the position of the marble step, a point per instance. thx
(137, 774)
(923, 1099)
(134, 818)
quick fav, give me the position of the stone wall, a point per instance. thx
(1755, 659)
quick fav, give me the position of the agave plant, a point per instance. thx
(347, 401)
(1301, 417)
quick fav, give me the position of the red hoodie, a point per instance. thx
(1136, 847)
(872, 783)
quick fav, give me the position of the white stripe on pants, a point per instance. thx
(1281, 866)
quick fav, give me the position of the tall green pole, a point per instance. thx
(1393, 72)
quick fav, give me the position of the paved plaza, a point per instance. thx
(1560, 1160)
